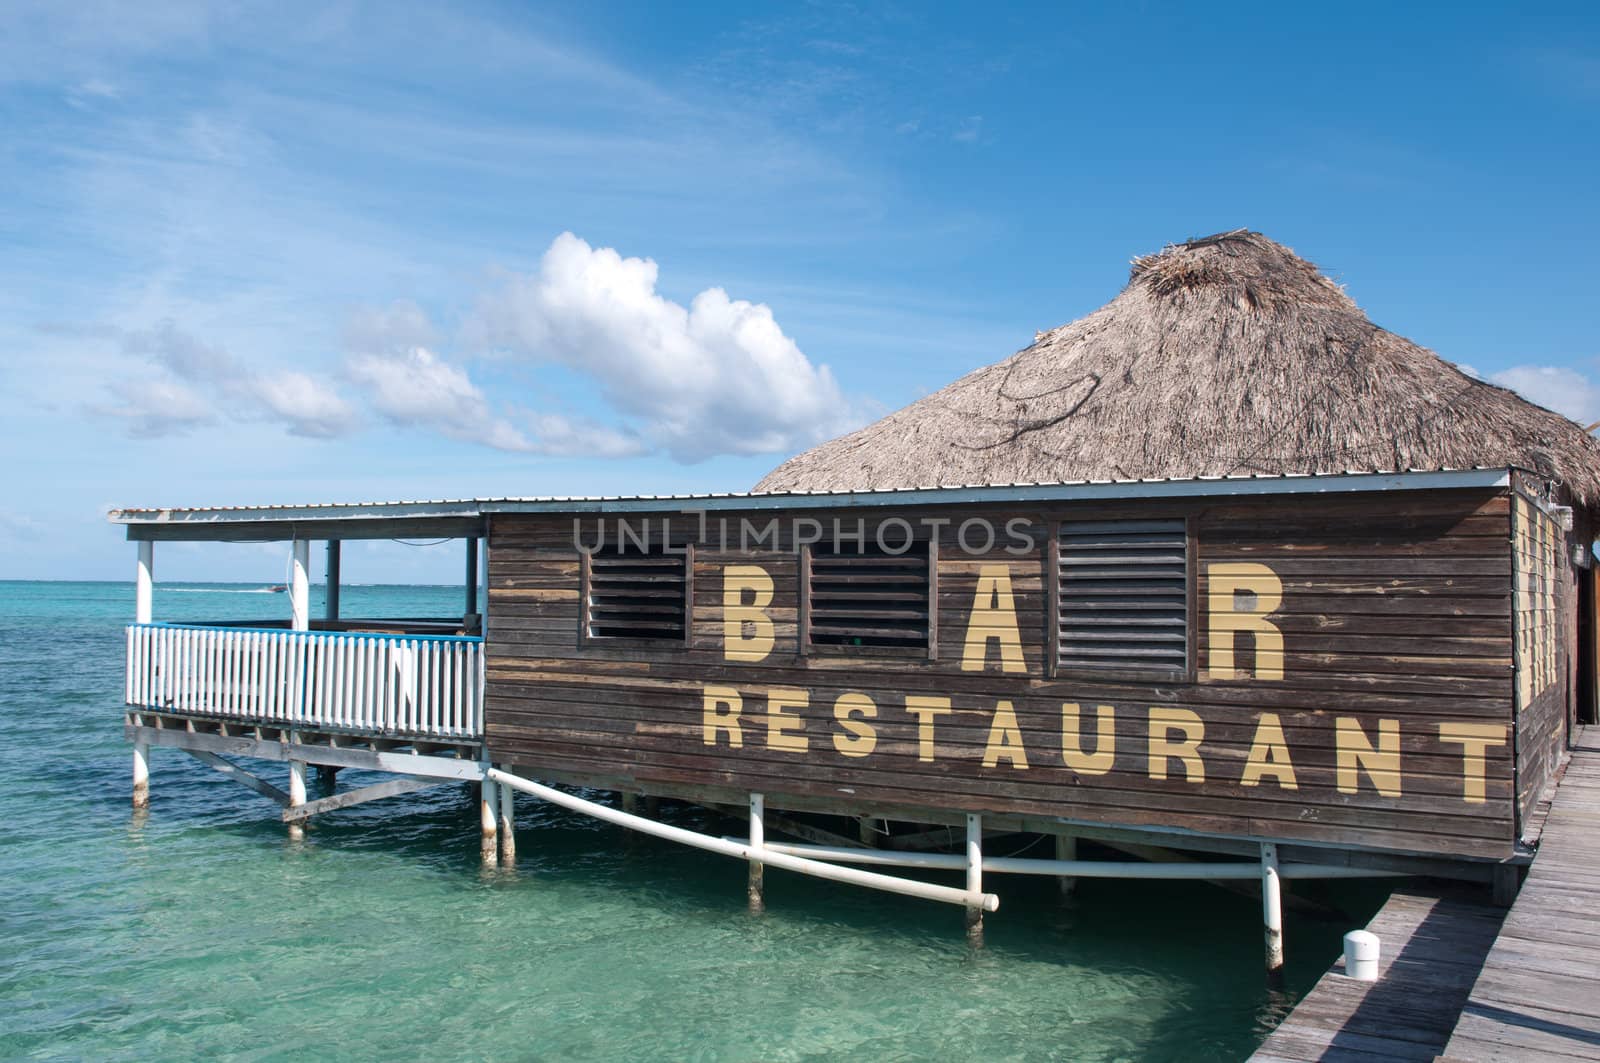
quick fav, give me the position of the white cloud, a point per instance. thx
(393, 329)
(416, 387)
(157, 406)
(717, 377)
(581, 438)
(186, 383)
(1566, 391)
(307, 405)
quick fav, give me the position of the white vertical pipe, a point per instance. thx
(297, 791)
(300, 586)
(141, 775)
(297, 779)
(974, 877)
(1272, 912)
(756, 890)
(144, 584)
(508, 835)
(486, 821)
(127, 671)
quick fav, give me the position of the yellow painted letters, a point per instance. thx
(783, 727)
(1162, 747)
(721, 714)
(1269, 755)
(1005, 739)
(1105, 747)
(1227, 620)
(746, 627)
(863, 737)
(926, 710)
(993, 619)
(1355, 753)
(1475, 740)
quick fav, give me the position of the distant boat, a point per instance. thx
(278, 588)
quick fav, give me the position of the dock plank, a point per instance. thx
(1539, 992)
(1433, 946)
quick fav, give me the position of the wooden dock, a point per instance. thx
(1460, 983)
(1538, 995)
(1433, 946)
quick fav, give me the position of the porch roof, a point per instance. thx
(457, 518)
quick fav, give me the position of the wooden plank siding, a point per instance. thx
(1393, 608)
(1544, 601)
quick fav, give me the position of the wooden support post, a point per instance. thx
(328, 775)
(141, 775)
(630, 803)
(144, 585)
(1272, 914)
(300, 586)
(487, 817)
(652, 806)
(758, 839)
(975, 878)
(1067, 849)
(472, 578)
(333, 576)
(1504, 885)
(508, 834)
(297, 795)
(866, 833)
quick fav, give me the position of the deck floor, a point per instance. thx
(1462, 981)
(1433, 946)
(1538, 996)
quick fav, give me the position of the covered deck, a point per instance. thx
(394, 694)
(392, 677)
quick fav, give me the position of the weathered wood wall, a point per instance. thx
(1545, 634)
(1395, 617)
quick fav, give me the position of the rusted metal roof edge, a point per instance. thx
(1290, 483)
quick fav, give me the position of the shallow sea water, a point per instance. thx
(198, 931)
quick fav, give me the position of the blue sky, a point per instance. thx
(282, 253)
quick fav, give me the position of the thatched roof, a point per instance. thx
(1225, 355)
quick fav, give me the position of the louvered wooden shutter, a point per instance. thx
(638, 595)
(868, 597)
(1123, 601)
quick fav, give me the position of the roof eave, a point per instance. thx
(465, 516)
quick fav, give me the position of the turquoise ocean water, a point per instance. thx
(198, 931)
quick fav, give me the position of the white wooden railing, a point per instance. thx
(418, 685)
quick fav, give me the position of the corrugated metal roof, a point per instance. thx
(1176, 487)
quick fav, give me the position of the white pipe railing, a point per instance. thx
(415, 685)
(744, 850)
(1075, 868)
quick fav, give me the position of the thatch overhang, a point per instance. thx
(1224, 356)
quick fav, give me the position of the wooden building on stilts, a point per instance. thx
(1222, 567)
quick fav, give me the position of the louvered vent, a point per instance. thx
(1124, 596)
(869, 597)
(638, 595)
